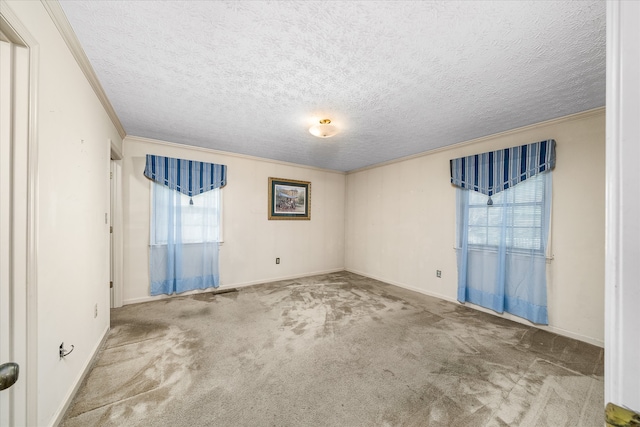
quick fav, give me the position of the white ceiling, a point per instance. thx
(397, 77)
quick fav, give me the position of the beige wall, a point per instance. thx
(72, 186)
(251, 241)
(400, 221)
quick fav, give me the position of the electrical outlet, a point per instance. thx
(277, 260)
(95, 311)
(438, 273)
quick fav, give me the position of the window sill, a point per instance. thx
(548, 258)
(190, 243)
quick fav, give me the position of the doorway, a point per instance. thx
(116, 231)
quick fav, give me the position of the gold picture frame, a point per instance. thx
(289, 199)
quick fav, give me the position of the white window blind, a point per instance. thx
(195, 219)
(518, 212)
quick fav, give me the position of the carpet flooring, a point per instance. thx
(334, 350)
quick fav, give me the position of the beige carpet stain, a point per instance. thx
(334, 350)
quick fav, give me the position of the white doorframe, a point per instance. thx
(622, 269)
(117, 233)
(24, 222)
(7, 397)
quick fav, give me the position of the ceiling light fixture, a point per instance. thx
(323, 130)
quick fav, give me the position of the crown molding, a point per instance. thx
(66, 31)
(225, 153)
(577, 116)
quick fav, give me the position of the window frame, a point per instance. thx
(220, 225)
(487, 247)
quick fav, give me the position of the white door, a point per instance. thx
(622, 290)
(14, 108)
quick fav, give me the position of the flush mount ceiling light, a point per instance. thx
(323, 130)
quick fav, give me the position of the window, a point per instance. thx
(502, 248)
(186, 229)
(502, 238)
(185, 234)
(194, 219)
(520, 209)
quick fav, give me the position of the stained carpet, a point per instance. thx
(334, 350)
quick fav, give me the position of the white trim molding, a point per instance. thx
(61, 22)
(20, 35)
(117, 234)
(226, 153)
(570, 117)
(95, 352)
(622, 244)
(233, 286)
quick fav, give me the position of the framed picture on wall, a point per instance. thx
(289, 199)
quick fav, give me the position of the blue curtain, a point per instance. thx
(185, 224)
(502, 241)
(186, 176)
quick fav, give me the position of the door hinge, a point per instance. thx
(111, 229)
(110, 285)
(110, 175)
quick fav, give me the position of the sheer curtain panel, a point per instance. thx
(502, 248)
(503, 213)
(185, 224)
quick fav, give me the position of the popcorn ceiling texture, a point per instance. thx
(398, 78)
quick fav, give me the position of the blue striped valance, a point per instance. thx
(489, 173)
(186, 176)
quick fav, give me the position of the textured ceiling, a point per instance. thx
(397, 77)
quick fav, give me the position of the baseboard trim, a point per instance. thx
(228, 286)
(59, 416)
(549, 328)
(403, 285)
